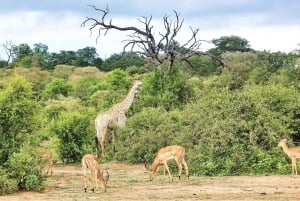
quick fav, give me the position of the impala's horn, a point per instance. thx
(105, 175)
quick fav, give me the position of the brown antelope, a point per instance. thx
(90, 164)
(169, 153)
(48, 156)
(292, 152)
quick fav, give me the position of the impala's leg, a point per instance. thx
(179, 164)
(186, 168)
(85, 180)
(101, 180)
(95, 178)
(167, 168)
(51, 166)
(294, 166)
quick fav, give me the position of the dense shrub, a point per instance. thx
(17, 116)
(72, 130)
(7, 185)
(26, 168)
(56, 88)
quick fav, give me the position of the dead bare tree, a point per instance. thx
(8, 47)
(166, 49)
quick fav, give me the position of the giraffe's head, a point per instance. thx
(137, 85)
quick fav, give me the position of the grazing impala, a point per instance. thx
(292, 152)
(90, 164)
(168, 153)
(47, 155)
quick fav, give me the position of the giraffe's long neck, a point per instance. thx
(127, 102)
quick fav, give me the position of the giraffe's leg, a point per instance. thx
(102, 142)
(113, 142)
(97, 145)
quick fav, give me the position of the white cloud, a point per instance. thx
(62, 31)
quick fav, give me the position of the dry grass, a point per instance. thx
(131, 182)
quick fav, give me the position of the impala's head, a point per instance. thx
(282, 142)
(152, 169)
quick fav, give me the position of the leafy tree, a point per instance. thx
(85, 87)
(26, 168)
(269, 63)
(3, 63)
(66, 57)
(276, 60)
(71, 128)
(86, 57)
(122, 61)
(57, 87)
(40, 56)
(203, 66)
(16, 117)
(169, 92)
(21, 51)
(230, 44)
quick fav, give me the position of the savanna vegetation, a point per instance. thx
(229, 118)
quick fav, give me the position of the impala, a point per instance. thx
(292, 152)
(90, 165)
(47, 155)
(168, 153)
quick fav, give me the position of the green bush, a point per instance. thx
(17, 116)
(26, 167)
(56, 88)
(7, 185)
(72, 130)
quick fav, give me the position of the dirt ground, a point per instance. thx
(131, 182)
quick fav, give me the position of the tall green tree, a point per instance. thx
(20, 51)
(230, 44)
(122, 61)
(16, 117)
(86, 57)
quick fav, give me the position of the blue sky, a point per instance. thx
(272, 25)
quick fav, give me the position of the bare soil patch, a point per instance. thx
(131, 182)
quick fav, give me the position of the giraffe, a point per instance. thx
(114, 117)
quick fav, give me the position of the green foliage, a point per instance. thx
(240, 64)
(26, 167)
(132, 70)
(63, 71)
(117, 79)
(7, 185)
(57, 87)
(25, 62)
(17, 115)
(170, 91)
(153, 127)
(122, 61)
(72, 130)
(230, 44)
(85, 87)
(203, 65)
